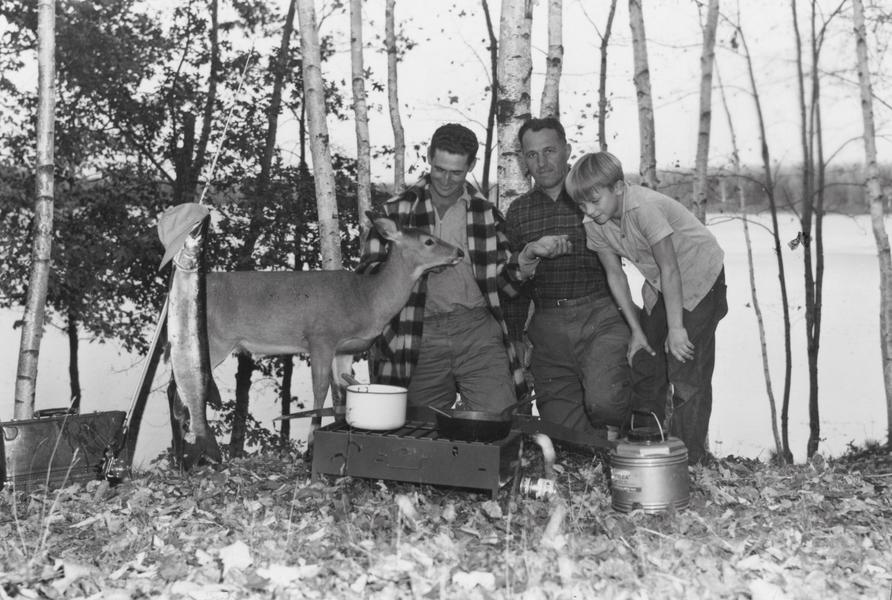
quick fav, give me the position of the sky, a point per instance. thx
(443, 79)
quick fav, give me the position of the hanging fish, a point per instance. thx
(187, 333)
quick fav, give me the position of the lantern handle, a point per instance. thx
(656, 418)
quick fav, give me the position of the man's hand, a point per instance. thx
(523, 349)
(636, 343)
(678, 344)
(548, 246)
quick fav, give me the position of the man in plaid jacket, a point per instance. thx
(579, 337)
(451, 338)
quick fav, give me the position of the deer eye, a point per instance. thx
(428, 242)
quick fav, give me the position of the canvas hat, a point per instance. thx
(175, 224)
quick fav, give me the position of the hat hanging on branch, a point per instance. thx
(175, 224)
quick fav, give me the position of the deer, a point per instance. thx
(327, 314)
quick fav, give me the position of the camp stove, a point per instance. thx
(415, 453)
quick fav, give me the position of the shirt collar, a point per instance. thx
(465, 194)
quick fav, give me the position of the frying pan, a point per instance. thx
(477, 425)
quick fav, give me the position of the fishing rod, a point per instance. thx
(115, 468)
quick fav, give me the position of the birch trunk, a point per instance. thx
(515, 68)
(877, 212)
(706, 61)
(781, 272)
(493, 98)
(361, 112)
(806, 137)
(648, 166)
(550, 105)
(602, 80)
(314, 97)
(757, 308)
(41, 248)
(399, 136)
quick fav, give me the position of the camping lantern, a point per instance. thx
(649, 471)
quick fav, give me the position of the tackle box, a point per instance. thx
(65, 447)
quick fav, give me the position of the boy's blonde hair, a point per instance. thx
(592, 169)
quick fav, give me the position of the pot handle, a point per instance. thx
(657, 419)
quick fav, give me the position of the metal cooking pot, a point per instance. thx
(376, 407)
(477, 425)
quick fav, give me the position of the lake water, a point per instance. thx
(852, 399)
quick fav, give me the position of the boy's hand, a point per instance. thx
(678, 344)
(549, 246)
(638, 342)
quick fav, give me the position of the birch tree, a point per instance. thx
(877, 213)
(787, 456)
(32, 329)
(757, 307)
(361, 116)
(646, 133)
(707, 57)
(602, 73)
(812, 212)
(602, 79)
(550, 105)
(314, 96)
(515, 69)
(493, 96)
(393, 102)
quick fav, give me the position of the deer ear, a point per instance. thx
(385, 226)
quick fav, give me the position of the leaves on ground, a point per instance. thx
(261, 528)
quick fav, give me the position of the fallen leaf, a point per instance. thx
(448, 513)
(468, 581)
(491, 509)
(761, 589)
(236, 555)
(71, 572)
(407, 510)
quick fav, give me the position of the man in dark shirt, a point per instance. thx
(579, 338)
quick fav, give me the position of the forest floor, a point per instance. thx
(261, 528)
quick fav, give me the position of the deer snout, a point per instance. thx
(459, 255)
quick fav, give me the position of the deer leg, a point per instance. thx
(320, 371)
(342, 363)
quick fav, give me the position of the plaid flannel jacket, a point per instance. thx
(395, 352)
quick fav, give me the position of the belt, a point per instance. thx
(543, 303)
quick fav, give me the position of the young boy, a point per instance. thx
(684, 290)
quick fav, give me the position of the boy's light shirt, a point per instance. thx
(699, 256)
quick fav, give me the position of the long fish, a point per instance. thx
(189, 355)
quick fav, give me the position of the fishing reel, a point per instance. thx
(114, 468)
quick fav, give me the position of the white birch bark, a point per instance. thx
(515, 68)
(646, 134)
(550, 105)
(707, 57)
(314, 98)
(41, 248)
(399, 137)
(361, 114)
(877, 213)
